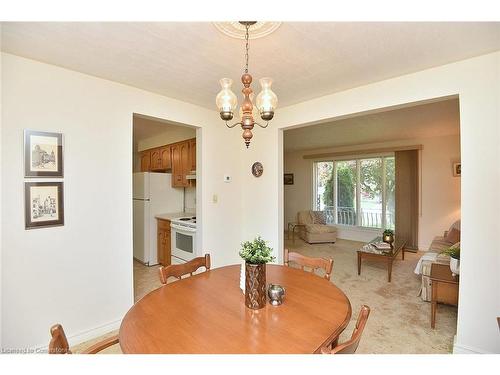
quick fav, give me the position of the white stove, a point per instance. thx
(187, 221)
(183, 239)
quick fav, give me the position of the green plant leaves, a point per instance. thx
(256, 251)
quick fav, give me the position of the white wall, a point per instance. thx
(477, 83)
(80, 274)
(440, 191)
(1, 183)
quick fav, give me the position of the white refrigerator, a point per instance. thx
(152, 195)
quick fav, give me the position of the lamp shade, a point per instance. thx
(226, 100)
(267, 101)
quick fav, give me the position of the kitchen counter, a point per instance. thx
(173, 215)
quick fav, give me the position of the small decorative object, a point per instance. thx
(288, 179)
(454, 253)
(457, 169)
(43, 154)
(266, 102)
(257, 169)
(43, 204)
(388, 236)
(276, 294)
(256, 254)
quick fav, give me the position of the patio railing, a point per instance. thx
(348, 216)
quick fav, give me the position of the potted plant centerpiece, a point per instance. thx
(388, 236)
(256, 254)
(454, 253)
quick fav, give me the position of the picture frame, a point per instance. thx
(288, 178)
(43, 204)
(43, 154)
(457, 169)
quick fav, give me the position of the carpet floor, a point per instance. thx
(399, 322)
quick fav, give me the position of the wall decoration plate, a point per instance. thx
(43, 154)
(257, 169)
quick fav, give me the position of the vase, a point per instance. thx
(455, 266)
(388, 238)
(255, 286)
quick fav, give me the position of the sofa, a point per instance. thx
(313, 228)
(451, 237)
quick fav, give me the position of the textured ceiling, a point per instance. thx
(306, 60)
(421, 121)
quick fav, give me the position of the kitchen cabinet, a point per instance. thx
(164, 244)
(180, 158)
(155, 160)
(192, 155)
(145, 161)
(165, 157)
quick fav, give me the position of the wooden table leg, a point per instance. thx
(359, 263)
(433, 305)
(389, 270)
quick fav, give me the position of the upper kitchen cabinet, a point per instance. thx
(183, 162)
(156, 160)
(145, 161)
(192, 154)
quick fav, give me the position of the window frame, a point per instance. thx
(357, 158)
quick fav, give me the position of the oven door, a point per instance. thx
(183, 242)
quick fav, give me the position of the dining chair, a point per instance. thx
(350, 346)
(59, 343)
(179, 270)
(313, 263)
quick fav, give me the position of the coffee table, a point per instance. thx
(370, 252)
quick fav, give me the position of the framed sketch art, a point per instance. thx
(43, 154)
(43, 204)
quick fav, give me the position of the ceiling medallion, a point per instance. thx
(237, 29)
(266, 101)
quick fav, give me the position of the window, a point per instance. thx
(357, 192)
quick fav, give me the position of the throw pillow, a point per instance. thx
(319, 217)
(453, 236)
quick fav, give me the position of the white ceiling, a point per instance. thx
(420, 121)
(306, 60)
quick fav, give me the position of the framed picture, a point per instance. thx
(43, 154)
(43, 204)
(288, 178)
(457, 169)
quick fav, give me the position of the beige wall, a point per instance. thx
(440, 191)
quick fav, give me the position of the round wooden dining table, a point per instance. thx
(206, 314)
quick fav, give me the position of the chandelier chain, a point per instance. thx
(246, 48)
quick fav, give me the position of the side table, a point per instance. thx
(444, 288)
(291, 227)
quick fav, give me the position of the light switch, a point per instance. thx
(227, 178)
(215, 198)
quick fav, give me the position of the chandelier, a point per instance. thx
(266, 101)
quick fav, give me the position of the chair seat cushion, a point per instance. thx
(320, 228)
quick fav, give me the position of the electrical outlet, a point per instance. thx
(227, 178)
(215, 198)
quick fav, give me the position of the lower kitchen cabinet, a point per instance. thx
(164, 250)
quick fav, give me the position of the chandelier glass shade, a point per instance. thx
(266, 101)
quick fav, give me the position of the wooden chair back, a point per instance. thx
(59, 343)
(313, 263)
(350, 346)
(179, 270)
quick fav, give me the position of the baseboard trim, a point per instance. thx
(93, 333)
(465, 349)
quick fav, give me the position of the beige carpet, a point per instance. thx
(399, 321)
